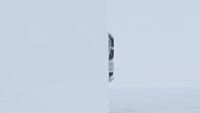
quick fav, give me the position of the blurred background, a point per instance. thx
(157, 56)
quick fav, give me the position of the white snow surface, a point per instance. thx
(155, 98)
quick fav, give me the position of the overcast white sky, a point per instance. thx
(157, 41)
(157, 60)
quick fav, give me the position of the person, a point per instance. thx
(111, 57)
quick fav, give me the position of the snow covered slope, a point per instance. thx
(53, 56)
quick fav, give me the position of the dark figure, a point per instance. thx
(111, 57)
